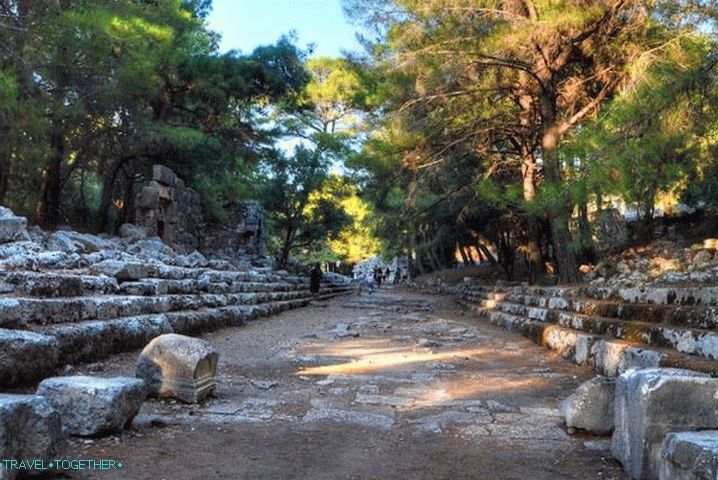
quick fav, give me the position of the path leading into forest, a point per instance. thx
(392, 385)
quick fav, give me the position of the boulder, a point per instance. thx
(91, 406)
(591, 406)
(26, 356)
(12, 228)
(689, 456)
(30, 429)
(177, 366)
(653, 402)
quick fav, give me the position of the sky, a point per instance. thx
(246, 24)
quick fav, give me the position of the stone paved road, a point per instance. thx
(393, 385)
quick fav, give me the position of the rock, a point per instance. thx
(342, 330)
(132, 232)
(426, 343)
(25, 356)
(689, 456)
(591, 406)
(193, 260)
(702, 258)
(164, 175)
(30, 429)
(12, 228)
(652, 402)
(263, 384)
(91, 406)
(177, 366)
(124, 271)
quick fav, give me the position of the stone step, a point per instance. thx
(64, 284)
(50, 284)
(653, 294)
(156, 286)
(28, 356)
(685, 340)
(692, 316)
(18, 312)
(608, 356)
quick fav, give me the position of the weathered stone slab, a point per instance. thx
(689, 456)
(26, 356)
(29, 429)
(591, 406)
(124, 271)
(177, 366)
(653, 402)
(12, 228)
(91, 406)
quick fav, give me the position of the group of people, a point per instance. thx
(381, 275)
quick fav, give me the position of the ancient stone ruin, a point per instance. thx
(68, 298)
(658, 338)
(177, 366)
(168, 209)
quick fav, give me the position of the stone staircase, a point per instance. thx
(83, 306)
(610, 329)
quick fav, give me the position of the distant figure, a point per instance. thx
(315, 278)
(378, 277)
(387, 274)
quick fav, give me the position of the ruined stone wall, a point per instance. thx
(167, 208)
(243, 231)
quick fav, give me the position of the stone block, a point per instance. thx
(653, 402)
(124, 271)
(26, 356)
(635, 358)
(13, 229)
(591, 406)
(606, 356)
(164, 175)
(689, 456)
(149, 197)
(177, 366)
(91, 406)
(30, 429)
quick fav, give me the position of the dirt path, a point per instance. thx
(392, 385)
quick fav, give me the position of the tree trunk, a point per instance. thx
(481, 248)
(588, 249)
(108, 186)
(48, 211)
(558, 212)
(533, 227)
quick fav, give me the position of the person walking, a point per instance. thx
(315, 279)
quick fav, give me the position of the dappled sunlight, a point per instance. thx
(356, 348)
(447, 391)
(372, 361)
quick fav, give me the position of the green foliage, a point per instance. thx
(108, 88)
